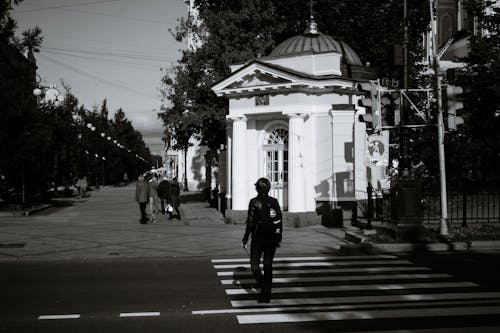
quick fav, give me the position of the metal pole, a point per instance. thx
(404, 136)
(443, 227)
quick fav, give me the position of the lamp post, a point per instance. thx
(50, 94)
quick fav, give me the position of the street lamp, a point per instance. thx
(49, 93)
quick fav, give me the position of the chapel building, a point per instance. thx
(293, 118)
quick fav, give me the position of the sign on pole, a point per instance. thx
(377, 149)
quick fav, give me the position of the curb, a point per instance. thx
(359, 244)
(26, 212)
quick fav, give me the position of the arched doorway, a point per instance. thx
(275, 149)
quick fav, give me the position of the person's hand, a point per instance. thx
(279, 244)
(244, 245)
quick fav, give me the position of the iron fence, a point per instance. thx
(473, 203)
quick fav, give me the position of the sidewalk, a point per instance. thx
(106, 225)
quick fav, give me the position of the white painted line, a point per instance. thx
(342, 278)
(381, 256)
(139, 314)
(367, 314)
(330, 270)
(320, 264)
(370, 299)
(430, 285)
(50, 317)
(342, 307)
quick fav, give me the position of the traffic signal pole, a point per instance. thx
(443, 227)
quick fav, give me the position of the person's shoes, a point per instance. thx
(261, 298)
(170, 217)
(265, 296)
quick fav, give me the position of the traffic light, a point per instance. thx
(451, 105)
(371, 104)
(390, 108)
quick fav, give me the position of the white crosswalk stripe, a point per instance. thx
(344, 288)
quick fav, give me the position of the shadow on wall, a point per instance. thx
(333, 213)
(197, 163)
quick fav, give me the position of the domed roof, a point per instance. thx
(313, 41)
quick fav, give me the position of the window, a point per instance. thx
(261, 100)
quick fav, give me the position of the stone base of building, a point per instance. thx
(291, 220)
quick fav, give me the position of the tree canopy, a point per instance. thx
(232, 32)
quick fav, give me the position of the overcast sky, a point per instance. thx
(111, 49)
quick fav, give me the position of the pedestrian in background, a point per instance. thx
(83, 186)
(266, 228)
(164, 193)
(153, 197)
(142, 197)
(175, 200)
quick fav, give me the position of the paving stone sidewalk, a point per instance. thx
(106, 225)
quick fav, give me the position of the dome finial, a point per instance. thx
(312, 28)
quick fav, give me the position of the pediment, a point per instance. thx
(257, 79)
(255, 76)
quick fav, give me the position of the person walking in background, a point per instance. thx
(175, 200)
(142, 197)
(83, 183)
(266, 228)
(153, 197)
(164, 193)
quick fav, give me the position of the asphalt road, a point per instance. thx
(319, 294)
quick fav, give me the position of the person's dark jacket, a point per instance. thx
(175, 192)
(256, 216)
(164, 190)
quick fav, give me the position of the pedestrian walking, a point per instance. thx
(265, 226)
(164, 193)
(142, 197)
(153, 197)
(175, 200)
(83, 184)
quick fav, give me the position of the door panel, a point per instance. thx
(276, 164)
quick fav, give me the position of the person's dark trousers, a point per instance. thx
(142, 207)
(162, 201)
(265, 248)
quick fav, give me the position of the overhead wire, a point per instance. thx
(108, 53)
(104, 60)
(66, 6)
(96, 78)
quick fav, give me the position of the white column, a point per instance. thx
(296, 189)
(239, 167)
(229, 167)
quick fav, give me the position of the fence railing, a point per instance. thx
(472, 204)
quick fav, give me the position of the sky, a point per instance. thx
(108, 49)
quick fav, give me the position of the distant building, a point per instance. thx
(454, 27)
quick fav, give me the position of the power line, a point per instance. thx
(128, 18)
(97, 78)
(112, 42)
(111, 61)
(108, 54)
(66, 6)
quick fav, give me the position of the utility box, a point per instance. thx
(406, 210)
(406, 198)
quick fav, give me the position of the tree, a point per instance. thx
(477, 142)
(230, 32)
(233, 32)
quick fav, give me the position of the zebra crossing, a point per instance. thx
(346, 288)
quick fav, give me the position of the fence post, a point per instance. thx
(369, 191)
(464, 204)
